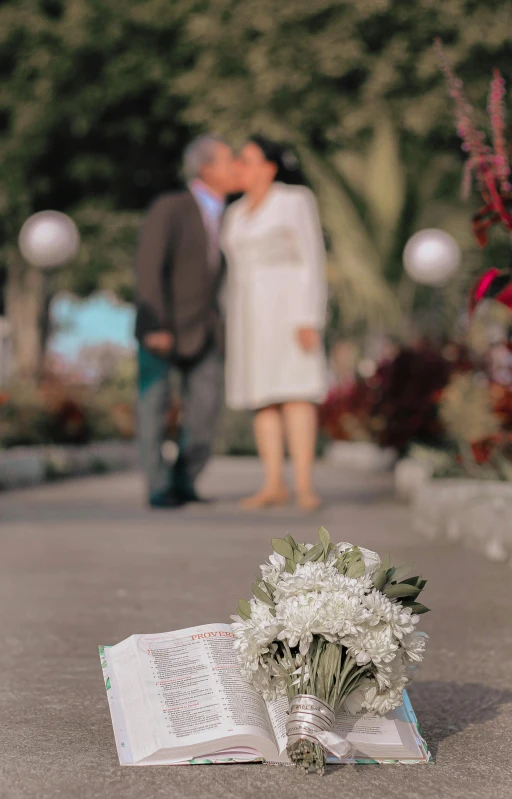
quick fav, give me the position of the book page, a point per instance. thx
(367, 729)
(195, 688)
(116, 709)
(133, 700)
(278, 712)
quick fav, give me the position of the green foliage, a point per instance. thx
(99, 96)
(388, 579)
(88, 120)
(244, 609)
(356, 87)
(351, 563)
(320, 73)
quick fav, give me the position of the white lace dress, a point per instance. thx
(276, 285)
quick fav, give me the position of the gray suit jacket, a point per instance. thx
(176, 287)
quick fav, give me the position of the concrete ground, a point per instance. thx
(84, 563)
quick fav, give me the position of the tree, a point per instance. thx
(355, 86)
(88, 125)
(322, 72)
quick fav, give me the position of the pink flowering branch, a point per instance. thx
(473, 139)
(496, 109)
(491, 166)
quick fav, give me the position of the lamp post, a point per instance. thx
(431, 257)
(47, 241)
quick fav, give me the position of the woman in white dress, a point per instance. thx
(276, 309)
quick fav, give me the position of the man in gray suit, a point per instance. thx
(179, 270)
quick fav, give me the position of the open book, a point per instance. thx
(179, 698)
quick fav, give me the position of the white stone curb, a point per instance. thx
(476, 512)
(28, 466)
(360, 456)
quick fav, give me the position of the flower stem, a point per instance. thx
(340, 681)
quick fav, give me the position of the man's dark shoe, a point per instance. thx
(168, 499)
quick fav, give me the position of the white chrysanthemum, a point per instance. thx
(392, 673)
(391, 679)
(306, 577)
(270, 679)
(375, 645)
(382, 703)
(272, 570)
(371, 560)
(379, 605)
(318, 577)
(345, 615)
(414, 645)
(299, 618)
(400, 620)
(403, 621)
(254, 635)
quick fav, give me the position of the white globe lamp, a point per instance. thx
(49, 239)
(431, 257)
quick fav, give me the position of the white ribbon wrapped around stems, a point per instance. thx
(311, 719)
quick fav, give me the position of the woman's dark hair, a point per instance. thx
(288, 167)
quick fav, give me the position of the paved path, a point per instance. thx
(83, 563)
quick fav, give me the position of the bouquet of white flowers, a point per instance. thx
(329, 625)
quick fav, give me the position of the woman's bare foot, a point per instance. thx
(308, 501)
(266, 498)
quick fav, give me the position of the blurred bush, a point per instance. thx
(446, 400)
(235, 436)
(55, 411)
(399, 404)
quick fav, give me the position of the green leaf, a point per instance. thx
(386, 563)
(270, 588)
(297, 557)
(291, 541)
(417, 607)
(412, 581)
(282, 547)
(356, 569)
(290, 565)
(379, 579)
(419, 582)
(273, 612)
(402, 571)
(313, 553)
(325, 538)
(340, 565)
(262, 595)
(244, 609)
(399, 590)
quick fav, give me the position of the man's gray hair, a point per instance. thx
(198, 154)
